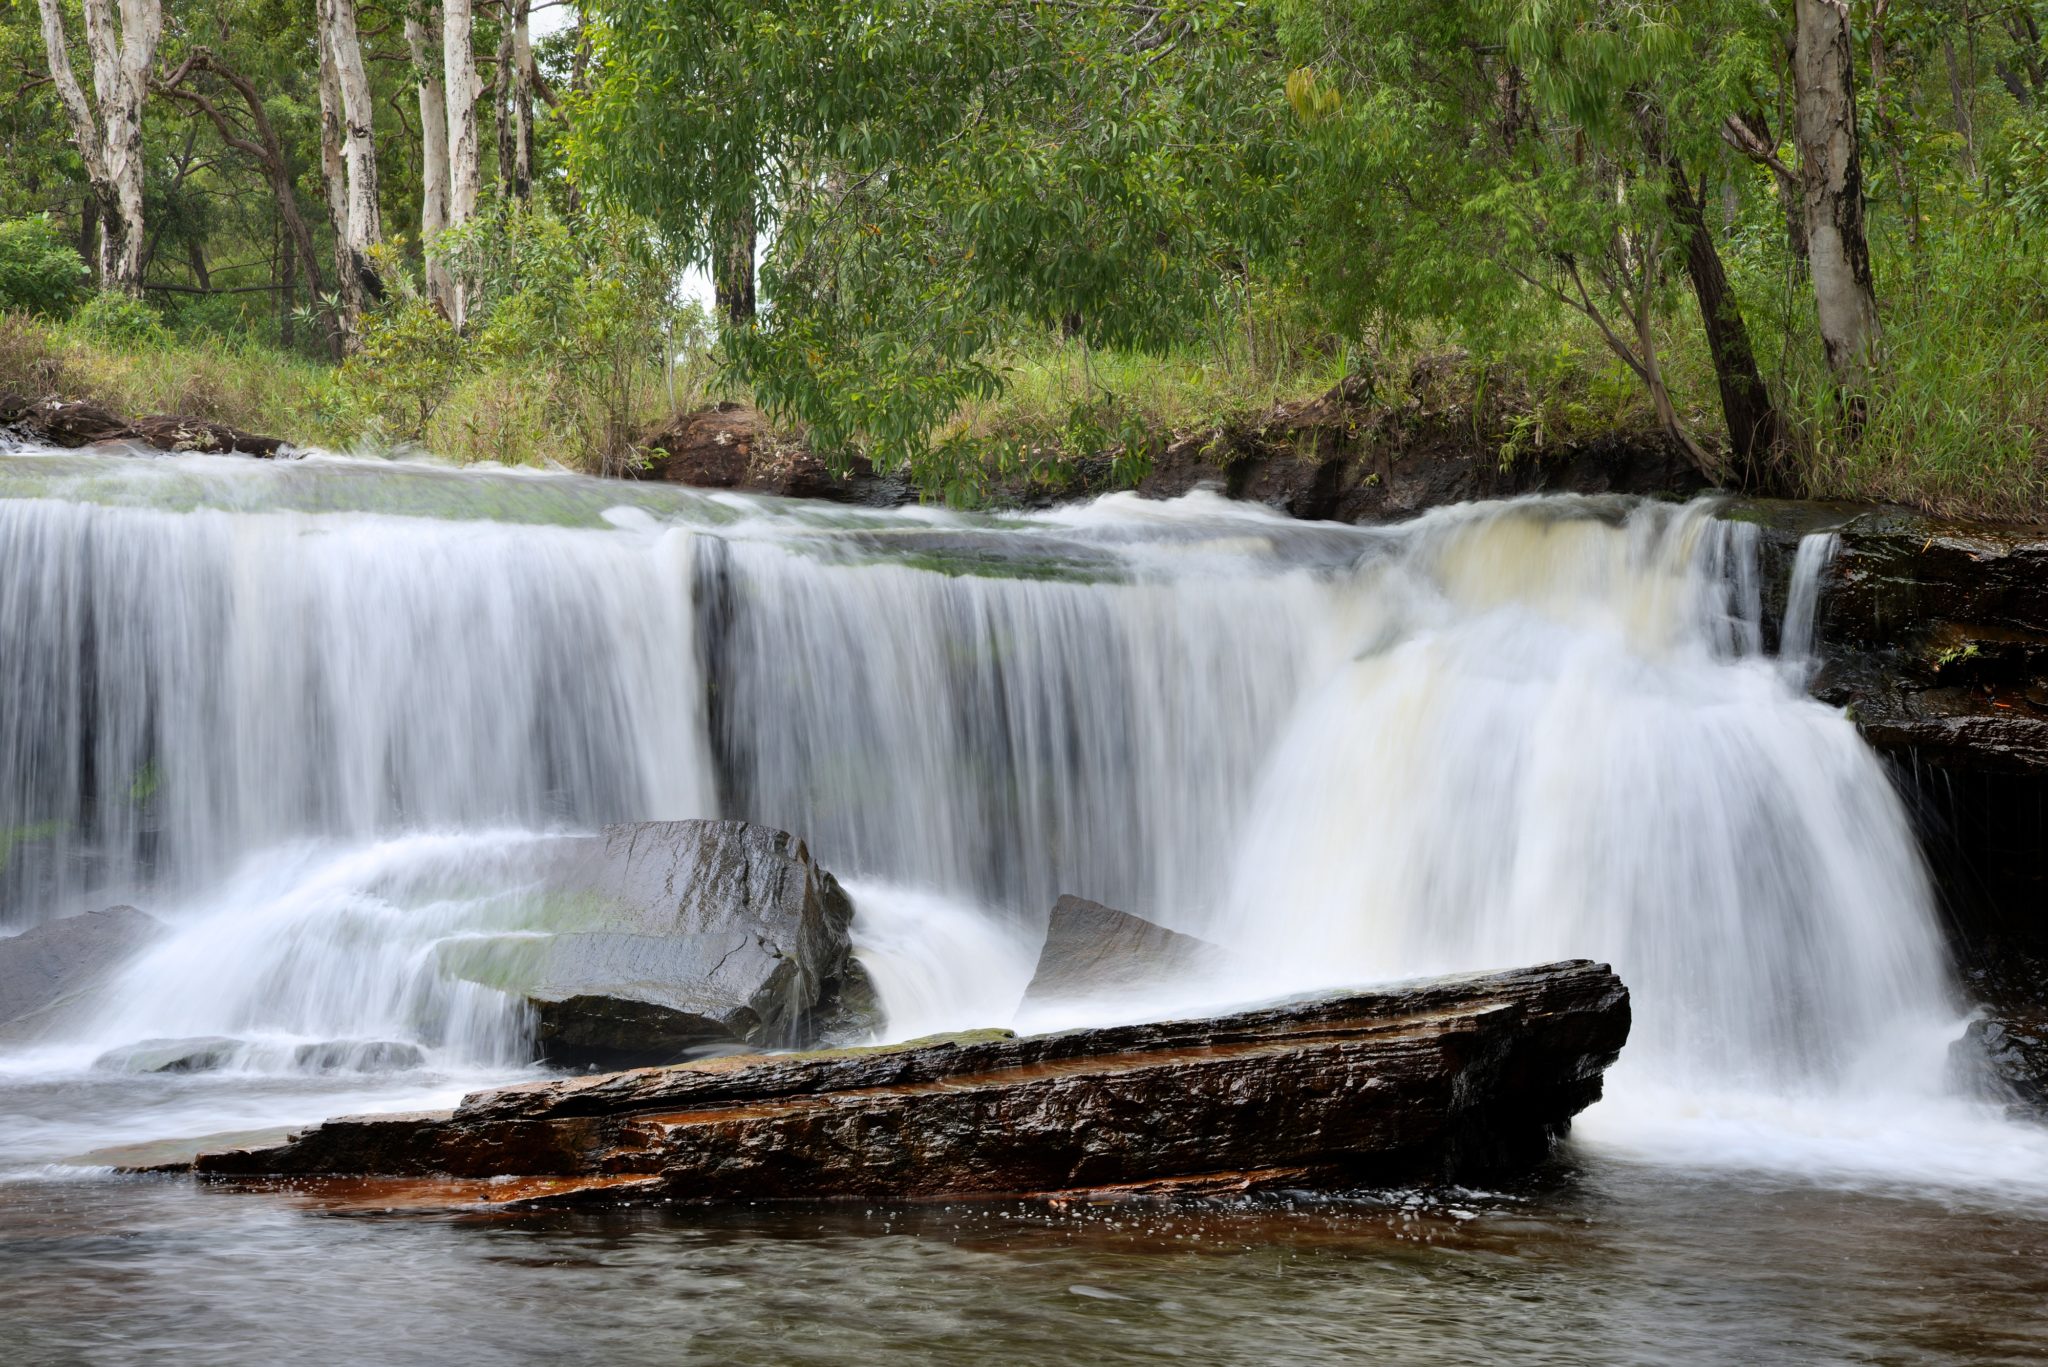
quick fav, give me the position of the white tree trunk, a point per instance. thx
(334, 179)
(522, 100)
(426, 62)
(121, 41)
(364, 221)
(464, 173)
(1831, 184)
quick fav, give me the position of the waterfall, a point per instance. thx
(326, 717)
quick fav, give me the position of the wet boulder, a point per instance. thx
(1455, 1079)
(1093, 951)
(674, 937)
(48, 968)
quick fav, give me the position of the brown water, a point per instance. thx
(1601, 1261)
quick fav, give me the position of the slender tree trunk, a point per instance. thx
(89, 227)
(1831, 181)
(334, 180)
(433, 154)
(1745, 402)
(464, 174)
(121, 40)
(523, 82)
(732, 276)
(362, 219)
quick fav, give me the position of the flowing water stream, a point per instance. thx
(327, 718)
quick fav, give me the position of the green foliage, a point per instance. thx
(583, 315)
(40, 272)
(941, 175)
(409, 361)
(116, 319)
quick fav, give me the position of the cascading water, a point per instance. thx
(327, 741)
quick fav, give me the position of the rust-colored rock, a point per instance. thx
(730, 446)
(1449, 1079)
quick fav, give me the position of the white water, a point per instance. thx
(327, 742)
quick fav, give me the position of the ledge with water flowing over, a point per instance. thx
(319, 719)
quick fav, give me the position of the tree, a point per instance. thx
(421, 32)
(1831, 185)
(462, 88)
(361, 218)
(121, 40)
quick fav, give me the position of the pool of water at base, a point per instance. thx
(1598, 1260)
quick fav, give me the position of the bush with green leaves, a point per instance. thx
(40, 272)
(409, 361)
(121, 320)
(584, 313)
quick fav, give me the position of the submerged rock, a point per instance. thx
(357, 1056)
(1092, 950)
(1452, 1079)
(48, 967)
(200, 1054)
(682, 934)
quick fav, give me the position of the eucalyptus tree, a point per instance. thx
(121, 39)
(350, 112)
(461, 86)
(1831, 185)
(422, 40)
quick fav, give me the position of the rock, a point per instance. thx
(358, 1056)
(48, 967)
(55, 422)
(169, 432)
(1449, 1079)
(1934, 634)
(685, 934)
(2008, 1057)
(201, 1054)
(730, 446)
(1347, 456)
(1092, 950)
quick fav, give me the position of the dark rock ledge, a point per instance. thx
(1447, 1079)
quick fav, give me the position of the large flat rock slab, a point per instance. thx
(1451, 1079)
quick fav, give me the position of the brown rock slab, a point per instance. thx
(1452, 1079)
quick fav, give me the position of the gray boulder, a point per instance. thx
(46, 969)
(1092, 950)
(678, 937)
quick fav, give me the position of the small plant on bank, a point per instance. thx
(40, 272)
(122, 320)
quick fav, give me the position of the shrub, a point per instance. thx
(410, 360)
(115, 319)
(40, 272)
